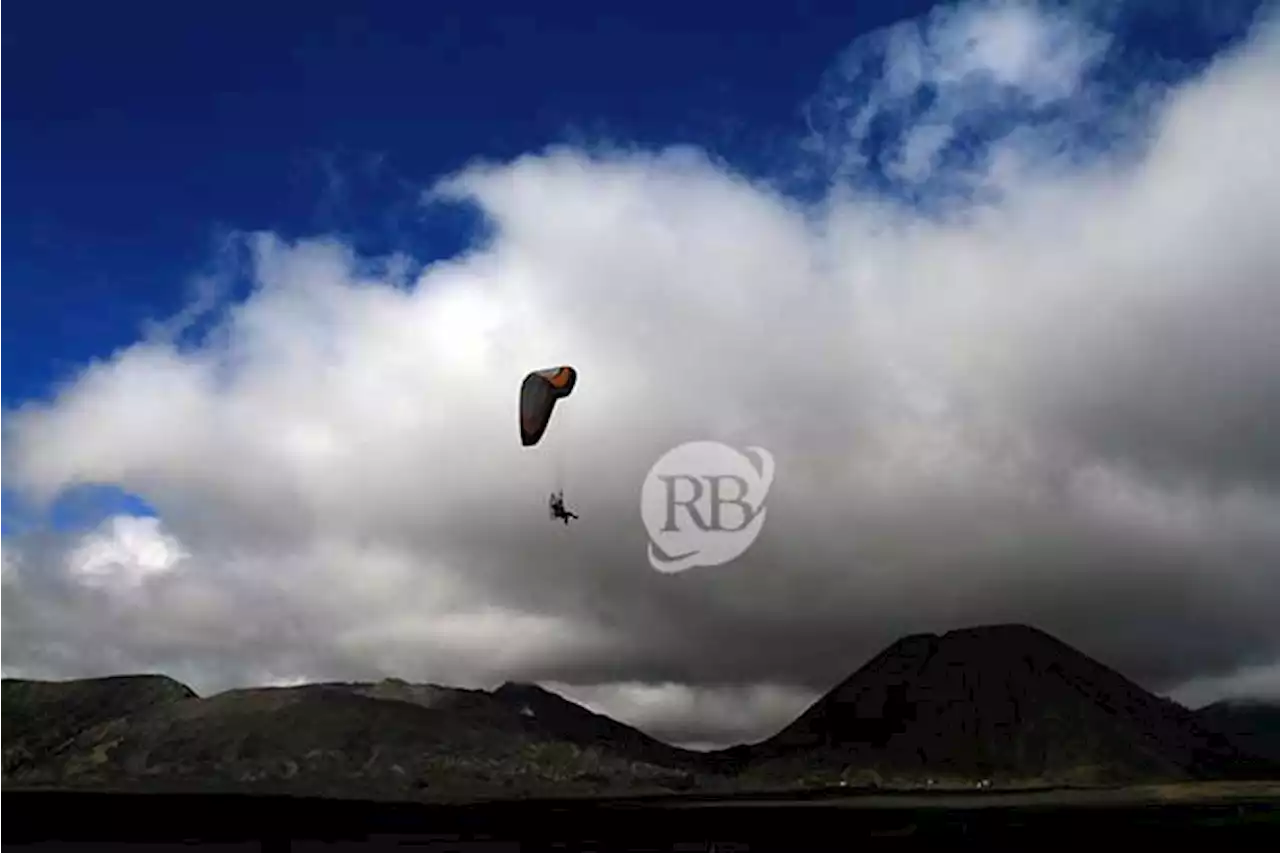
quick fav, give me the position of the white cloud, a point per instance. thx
(1051, 407)
(696, 717)
(1249, 682)
(9, 565)
(125, 551)
(898, 97)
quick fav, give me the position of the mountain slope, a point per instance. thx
(43, 717)
(388, 739)
(1005, 702)
(569, 721)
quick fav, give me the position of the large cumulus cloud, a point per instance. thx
(1005, 375)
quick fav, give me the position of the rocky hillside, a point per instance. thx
(42, 718)
(385, 739)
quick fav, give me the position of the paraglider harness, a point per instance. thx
(557, 507)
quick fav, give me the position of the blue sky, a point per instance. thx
(912, 276)
(133, 149)
(135, 140)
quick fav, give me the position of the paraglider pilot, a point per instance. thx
(539, 393)
(557, 507)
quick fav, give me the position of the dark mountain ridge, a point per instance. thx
(999, 702)
(1006, 703)
(1252, 725)
(384, 739)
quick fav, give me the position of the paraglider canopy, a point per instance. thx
(538, 395)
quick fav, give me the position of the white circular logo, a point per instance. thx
(703, 504)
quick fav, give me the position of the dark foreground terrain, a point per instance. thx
(62, 820)
(991, 732)
(996, 707)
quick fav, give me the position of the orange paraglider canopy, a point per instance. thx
(539, 393)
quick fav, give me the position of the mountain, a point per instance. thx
(1006, 703)
(42, 717)
(1251, 725)
(563, 720)
(386, 739)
